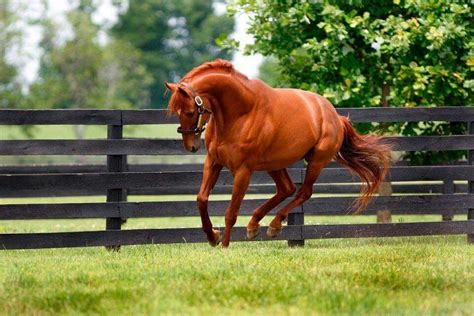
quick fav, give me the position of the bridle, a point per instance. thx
(200, 124)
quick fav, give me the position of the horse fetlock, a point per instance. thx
(216, 238)
(272, 232)
(252, 231)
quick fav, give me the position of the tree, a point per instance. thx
(173, 37)
(10, 89)
(81, 73)
(69, 73)
(124, 76)
(270, 72)
(372, 53)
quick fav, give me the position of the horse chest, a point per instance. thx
(229, 155)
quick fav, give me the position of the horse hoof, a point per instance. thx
(273, 232)
(252, 233)
(217, 238)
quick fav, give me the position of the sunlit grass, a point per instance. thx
(385, 276)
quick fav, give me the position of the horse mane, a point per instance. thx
(214, 66)
(218, 65)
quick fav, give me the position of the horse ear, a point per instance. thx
(170, 86)
(182, 90)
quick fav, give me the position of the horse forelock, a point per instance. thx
(176, 102)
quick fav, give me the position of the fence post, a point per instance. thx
(470, 183)
(448, 188)
(385, 216)
(115, 163)
(296, 218)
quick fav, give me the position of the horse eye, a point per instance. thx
(189, 114)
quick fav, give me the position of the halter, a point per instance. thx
(200, 124)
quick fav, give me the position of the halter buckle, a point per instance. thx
(198, 101)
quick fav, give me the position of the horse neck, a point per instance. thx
(229, 97)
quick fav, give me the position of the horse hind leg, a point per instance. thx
(315, 164)
(285, 188)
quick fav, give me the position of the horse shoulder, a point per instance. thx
(211, 141)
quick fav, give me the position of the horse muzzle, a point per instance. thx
(192, 145)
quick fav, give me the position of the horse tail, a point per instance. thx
(366, 155)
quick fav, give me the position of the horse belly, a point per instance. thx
(297, 130)
(287, 149)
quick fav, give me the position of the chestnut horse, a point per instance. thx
(251, 126)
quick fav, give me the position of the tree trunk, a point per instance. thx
(79, 134)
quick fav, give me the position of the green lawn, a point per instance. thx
(390, 276)
(385, 276)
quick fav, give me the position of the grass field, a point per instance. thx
(398, 276)
(385, 276)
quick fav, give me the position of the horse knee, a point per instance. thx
(304, 194)
(230, 219)
(287, 191)
(202, 201)
(291, 190)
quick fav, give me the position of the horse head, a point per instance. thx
(192, 114)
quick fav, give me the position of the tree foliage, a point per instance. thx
(269, 71)
(173, 37)
(81, 73)
(372, 53)
(10, 89)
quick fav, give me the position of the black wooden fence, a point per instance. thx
(444, 189)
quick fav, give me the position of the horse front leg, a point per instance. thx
(241, 183)
(209, 178)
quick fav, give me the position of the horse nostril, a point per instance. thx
(194, 149)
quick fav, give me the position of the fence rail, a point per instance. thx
(148, 180)
(445, 190)
(419, 205)
(139, 117)
(175, 147)
(192, 235)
